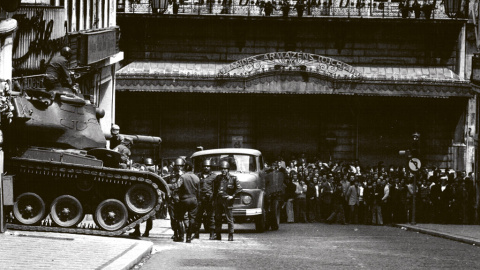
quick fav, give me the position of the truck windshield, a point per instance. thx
(238, 162)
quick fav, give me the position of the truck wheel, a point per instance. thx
(275, 216)
(260, 222)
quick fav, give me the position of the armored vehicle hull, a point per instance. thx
(55, 153)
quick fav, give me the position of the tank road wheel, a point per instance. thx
(66, 211)
(261, 222)
(111, 215)
(29, 208)
(140, 198)
(85, 184)
(275, 215)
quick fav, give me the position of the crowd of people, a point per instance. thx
(330, 192)
(350, 194)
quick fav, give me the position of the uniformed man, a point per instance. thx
(205, 206)
(187, 187)
(149, 166)
(124, 149)
(116, 137)
(57, 73)
(225, 188)
(174, 201)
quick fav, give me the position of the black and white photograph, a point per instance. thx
(239, 134)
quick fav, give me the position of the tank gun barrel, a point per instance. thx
(139, 138)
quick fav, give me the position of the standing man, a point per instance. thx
(116, 137)
(225, 188)
(187, 187)
(205, 206)
(57, 73)
(174, 201)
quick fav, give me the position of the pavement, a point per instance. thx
(469, 234)
(41, 250)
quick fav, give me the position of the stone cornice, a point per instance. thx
(293, 82)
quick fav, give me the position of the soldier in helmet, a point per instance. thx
(174, 200)
(124, 149)
(148, 165)
(205, 207)
(186, 186)
(116, 137)
(225, 188)
(57, 73)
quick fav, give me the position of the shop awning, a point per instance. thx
(203, 77)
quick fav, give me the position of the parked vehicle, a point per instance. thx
(262, 195)
(59, 169)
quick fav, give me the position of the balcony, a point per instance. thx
(340, 8)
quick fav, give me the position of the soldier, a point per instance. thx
(116, 137)
(225, 188)
(124, 149)
(149, 166)
(205, 207)
(174, 201)
(187, 187)
(57, 73)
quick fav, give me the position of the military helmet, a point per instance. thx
(127, 141)
(207, 162)
(224, 165)
(179, 162)
(149, 162)
(66, 52)
(115, 129)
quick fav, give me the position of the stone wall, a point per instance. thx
(354, 41)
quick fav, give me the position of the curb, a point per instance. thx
(129, 258)
(462, 239)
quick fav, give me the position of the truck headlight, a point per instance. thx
(246, 199)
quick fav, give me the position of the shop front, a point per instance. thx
(293, 103)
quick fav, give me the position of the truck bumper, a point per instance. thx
(247, 212)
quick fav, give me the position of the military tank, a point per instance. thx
(56, 153)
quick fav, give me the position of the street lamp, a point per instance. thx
(453, 8)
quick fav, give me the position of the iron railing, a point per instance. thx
(325, 9)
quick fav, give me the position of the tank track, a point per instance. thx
(73, 171)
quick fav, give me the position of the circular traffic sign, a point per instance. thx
(414, 164)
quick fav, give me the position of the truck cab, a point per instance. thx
(260, 199)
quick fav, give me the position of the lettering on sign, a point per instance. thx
(41, 41)
(310, 61)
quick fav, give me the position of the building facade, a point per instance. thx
(336, 87)
(88, 27)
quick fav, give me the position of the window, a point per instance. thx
(238, 162)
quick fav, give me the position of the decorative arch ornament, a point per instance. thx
(290, 61)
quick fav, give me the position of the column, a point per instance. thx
(106, 13)
(88, 19)
(470, 135)
(460, 65)
(74, 16)
(81, 15)
(99, 16)
(7, 28)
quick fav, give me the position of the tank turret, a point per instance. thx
(55, 119)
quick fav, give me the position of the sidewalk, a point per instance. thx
(469, 234)
(40, 250)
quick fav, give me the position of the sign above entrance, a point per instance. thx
(290, 60)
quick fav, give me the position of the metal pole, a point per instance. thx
(414, 198)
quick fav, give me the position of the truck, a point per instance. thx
(261, 199)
